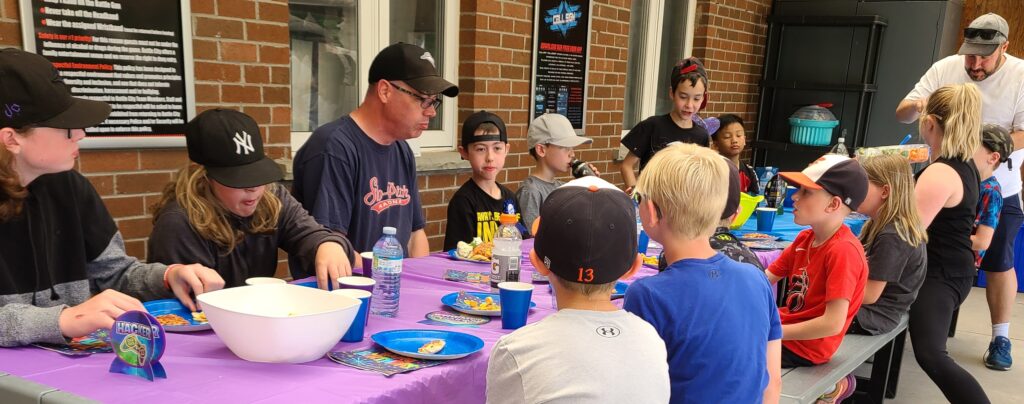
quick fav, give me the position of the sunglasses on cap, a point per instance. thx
(983, 33)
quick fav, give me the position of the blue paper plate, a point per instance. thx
(449, 300)
(173, 306)
(620, 290)
(408, 342)
(454, 256)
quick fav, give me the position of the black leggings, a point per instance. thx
(930, 317)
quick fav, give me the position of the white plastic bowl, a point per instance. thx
(278, 323)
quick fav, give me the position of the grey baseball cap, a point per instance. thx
(553, 129)
(984, 35)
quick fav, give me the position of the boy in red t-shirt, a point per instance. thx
(825, 265)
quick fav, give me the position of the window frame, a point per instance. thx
(374, 35)
(650, 58)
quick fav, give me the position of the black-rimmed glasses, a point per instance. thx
(425, 102)
(638, 198)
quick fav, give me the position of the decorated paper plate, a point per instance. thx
(620, 290)
(451, 299)
(175, 317)
(409, 342)
(758, 236)
(651, 261)
(453, 255)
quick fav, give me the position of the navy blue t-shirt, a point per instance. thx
(716, 316)
(354, 185)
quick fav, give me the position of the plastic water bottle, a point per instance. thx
(387, 272)
(507, 252)
(840, 147)
(642, 240)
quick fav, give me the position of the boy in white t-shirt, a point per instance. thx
(983, 60)
(590, 350)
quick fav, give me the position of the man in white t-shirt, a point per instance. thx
(983, 60)
(590, 351)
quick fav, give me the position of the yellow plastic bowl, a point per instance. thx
(747, 205)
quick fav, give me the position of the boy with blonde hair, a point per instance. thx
(585, 242)
(714, 314)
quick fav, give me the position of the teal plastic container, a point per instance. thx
(811, 132)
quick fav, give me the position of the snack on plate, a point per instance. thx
(482, 252)
(469, 301)
(651, 259)
(758, 235)
(199, 317)
(432, 347)
(171, 319)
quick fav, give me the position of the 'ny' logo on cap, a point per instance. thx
(243, 142)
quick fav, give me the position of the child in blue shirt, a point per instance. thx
(715, 314)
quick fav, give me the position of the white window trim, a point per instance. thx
(651, 56)
(376, 14)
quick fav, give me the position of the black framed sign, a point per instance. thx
(134, 55)
(561, 37)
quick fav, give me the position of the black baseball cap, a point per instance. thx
(474, 121)
(732, 201)
(586, 232)
(33, 93)
(838, 175)
(413, 65)
(228, 144)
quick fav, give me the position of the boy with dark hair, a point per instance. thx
(688, 92)
(585, 242)
(729, 140)
(475, 209)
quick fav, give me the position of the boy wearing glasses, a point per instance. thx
(716, 316)
(825, 265)
(984, 61)
(357, 174)
(552, 142)
(476, 208)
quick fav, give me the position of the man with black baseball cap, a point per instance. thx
(226, 212)
(358, 174)
(476, 208)
(590, 350)
(63, 268)
(983, 60)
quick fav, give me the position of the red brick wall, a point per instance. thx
(242, 61)
(729, 38)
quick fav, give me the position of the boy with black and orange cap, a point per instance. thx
(826, 265)
(476, 208)
(688, 92)
(585, 242)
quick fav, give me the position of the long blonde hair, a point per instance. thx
(12, 194)
(957, 109)
(900, 209)
(191, 189)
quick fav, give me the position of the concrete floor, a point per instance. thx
(974, 331)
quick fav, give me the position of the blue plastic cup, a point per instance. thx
(765, 219)
(358, 328)
(788, 202)
(515, 303)
(642, 241)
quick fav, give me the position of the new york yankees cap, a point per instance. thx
(228, 144)
(586, 232)
(33, 93)
(413, 65)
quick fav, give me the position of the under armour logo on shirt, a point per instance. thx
(243, 141)
(608, 331)
(426, 56)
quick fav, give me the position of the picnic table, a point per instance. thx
(200, 367)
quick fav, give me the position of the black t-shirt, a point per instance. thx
(354, 185)
(656, 132)
(474, 213)
(902, 267)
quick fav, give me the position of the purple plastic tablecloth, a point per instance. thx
(200, 367)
